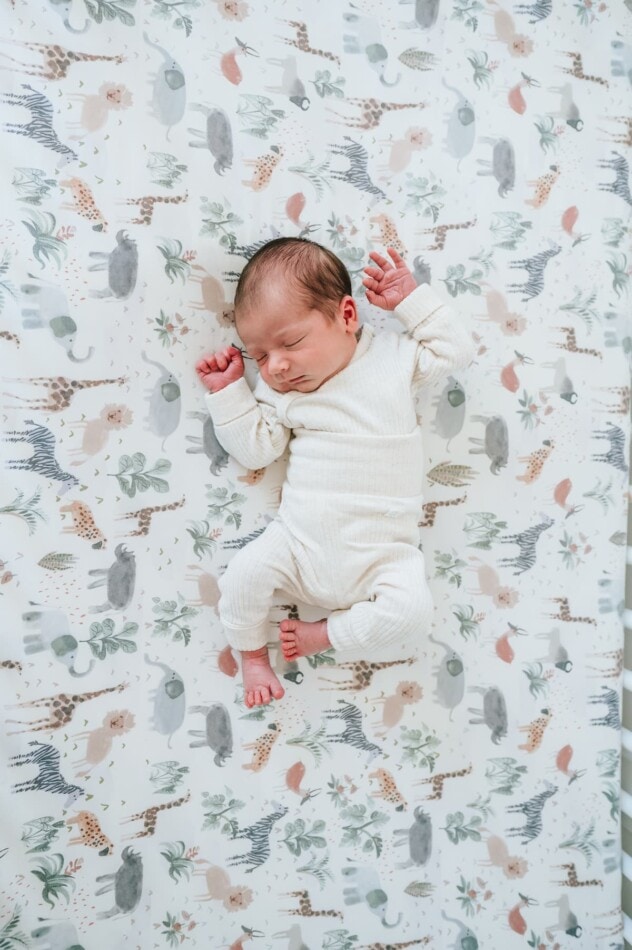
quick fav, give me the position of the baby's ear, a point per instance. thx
(350, 312)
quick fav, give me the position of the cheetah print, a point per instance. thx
(388, 233)
(84, 525)
(84, 203)
(535, 462)
(543, 186)
(535, 731)
(388, 789)
(262, 747)
(90, 833)
(263, 168)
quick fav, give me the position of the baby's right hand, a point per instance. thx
(220, 369)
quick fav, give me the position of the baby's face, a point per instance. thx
(297, 348)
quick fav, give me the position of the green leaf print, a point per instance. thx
(47, 245)
(326, 86)
(505, 775)
(204, 540)
(103, 641)
(298, 838)
(446, 566)
(55, 882)
(10, 936)
(360, 828)
(40, 833)
(27, 510)
(457, 283)
(101, 10)
(172, 614)
(419, 748)
(180, 860)
(132, 478)
(457, 830)
(468, 621)
(224, 508)
(483, 528)
(218, 811)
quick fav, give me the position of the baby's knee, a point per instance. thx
(419, 609)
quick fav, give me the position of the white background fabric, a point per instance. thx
(137, 179)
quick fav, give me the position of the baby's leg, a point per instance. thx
(400, 605)
(247, 588)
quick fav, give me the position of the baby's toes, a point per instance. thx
(288, 626)
(277, 690)
(265, 695)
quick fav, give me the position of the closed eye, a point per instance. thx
(288, 346)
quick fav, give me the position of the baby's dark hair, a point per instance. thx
(319, 277)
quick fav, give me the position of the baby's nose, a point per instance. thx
(278, 363)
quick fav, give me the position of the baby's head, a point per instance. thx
(295, 314)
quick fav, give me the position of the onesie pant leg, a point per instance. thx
(248, 584)
(400, 606)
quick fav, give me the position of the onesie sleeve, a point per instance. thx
(246, 423)
(444, 343)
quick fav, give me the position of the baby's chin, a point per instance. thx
(308, 385)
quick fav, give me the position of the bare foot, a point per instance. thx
(299, 638)
(260, 683)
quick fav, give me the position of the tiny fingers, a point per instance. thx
(383, 262)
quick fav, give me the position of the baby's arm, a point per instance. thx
(443, 342)
(247, 427)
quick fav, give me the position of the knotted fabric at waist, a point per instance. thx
(390, 466)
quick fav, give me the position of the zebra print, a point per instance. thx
(40, 128)
(357, 174)
(526, 541)
(532, 810)
(259, 835)
(534, 267)
(42, 461)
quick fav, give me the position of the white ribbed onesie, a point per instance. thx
(346, 534)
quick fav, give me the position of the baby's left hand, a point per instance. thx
(386, 286)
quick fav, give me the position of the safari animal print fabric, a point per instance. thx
(460, 791)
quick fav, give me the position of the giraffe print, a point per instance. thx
(144, 515)
(61, 708)
(565, 614)
(576, 69)
(61, 389)
(571, 343)
(149, 816)
(430, 510)
(301, 41)
(372, 111)
(441, 230)
(571, 879)
(305, 908)
(147, 202)
(56, 60)
(437, 781)
(363, 672)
